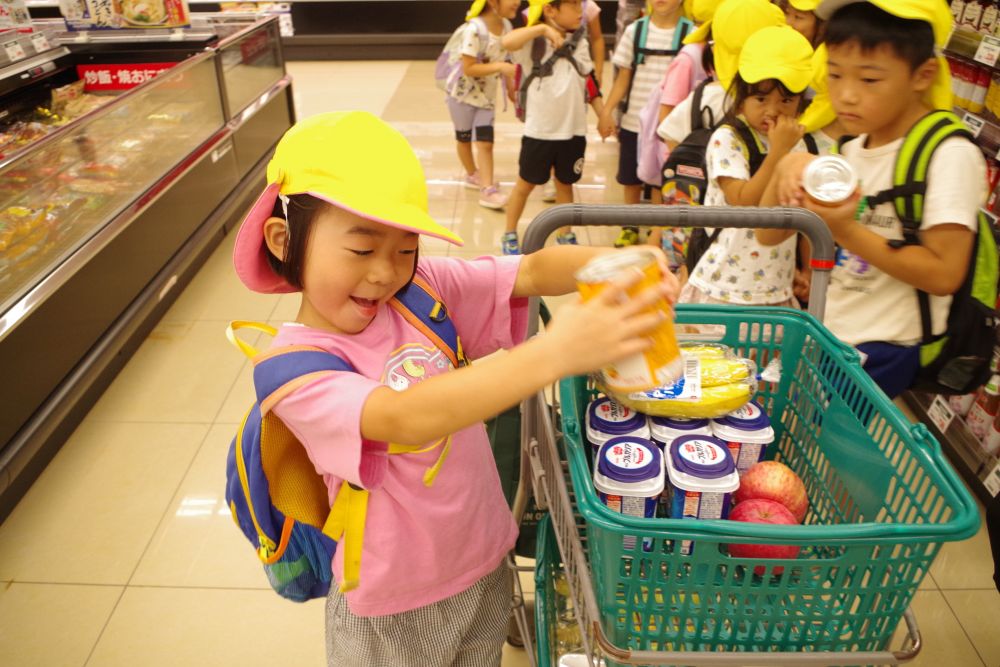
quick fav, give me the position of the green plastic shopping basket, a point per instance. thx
(883, 500)
(546, 573)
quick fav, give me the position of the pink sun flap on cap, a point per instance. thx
(249, 255)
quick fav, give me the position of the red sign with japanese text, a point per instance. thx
(98, 78)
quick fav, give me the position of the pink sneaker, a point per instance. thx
(491, 198)
(471, 181)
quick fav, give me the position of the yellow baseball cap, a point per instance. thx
(820, 111)
(777, 52)
(701, 12)
(475, 10)
(804, 5)
(351, 159)
(935, 12)
(535, 10)
(734, 22)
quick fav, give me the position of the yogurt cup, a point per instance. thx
(702, 478)
(664, 430)
(747, 432)
(607, 419)
(629, 479)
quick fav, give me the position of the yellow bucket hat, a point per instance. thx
(777, 52)
(820, 111)
(535, 10)
(475, 10)
(351, 159)
(701, 12)
(804, 5)
(935, 12)
(734, 22)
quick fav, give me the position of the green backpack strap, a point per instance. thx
(909, 186)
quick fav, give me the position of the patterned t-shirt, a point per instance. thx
(736, 267)
(480, 91)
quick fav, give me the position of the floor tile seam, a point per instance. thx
(965, 632)
(166, 509)
(191, 587)
(104, 628)
(30, 582)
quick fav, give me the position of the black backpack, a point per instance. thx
(540, 70)
(690, 172)
(958, 360)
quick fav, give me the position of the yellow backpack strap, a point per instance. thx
(240, 344)
(346, 526)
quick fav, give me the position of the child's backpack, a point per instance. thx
(448, 67)
(651, 150)
(639, 50)
(685, 174)
(276, 496)
(700, 239)
(957, 361)
(540, 70)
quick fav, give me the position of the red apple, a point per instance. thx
(770, 480)
(763, 511)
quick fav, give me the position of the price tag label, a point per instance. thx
(974, 122)
(988, 51)
(14, 50)
(992, 481)
(940, 413)
(40, 42)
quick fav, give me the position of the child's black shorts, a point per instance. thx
(538, 156)
(628, 157)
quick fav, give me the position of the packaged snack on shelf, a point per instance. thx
(747, 433)
(629, 478)
(607, 419)
(961, 405)
(991, 443)
(702, 478)
(985, 409)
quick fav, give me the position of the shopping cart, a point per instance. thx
(883, 498)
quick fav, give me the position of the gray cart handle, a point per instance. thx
(796, 219)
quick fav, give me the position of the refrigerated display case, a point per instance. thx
(104, 217)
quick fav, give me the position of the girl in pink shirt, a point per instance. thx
(432, 588)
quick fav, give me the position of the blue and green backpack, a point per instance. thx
(277, 498)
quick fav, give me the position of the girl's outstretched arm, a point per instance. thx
(577, 341)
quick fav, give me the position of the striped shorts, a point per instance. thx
(465, 630)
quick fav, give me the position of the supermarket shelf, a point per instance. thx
(964, 43)
(961, 446)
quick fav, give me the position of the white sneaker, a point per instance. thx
(471, 181)
(491, 198)
(549, 191)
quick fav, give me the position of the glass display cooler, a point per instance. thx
(124, 159)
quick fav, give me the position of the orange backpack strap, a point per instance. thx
(421, 306)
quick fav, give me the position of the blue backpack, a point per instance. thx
(276, 496)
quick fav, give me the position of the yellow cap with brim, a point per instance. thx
(732, 25)
(935, 12)
(820, 111)
(350, 159)
(701, 12)
(475, 10)
(777, 52)
(535, 10)
(804, 5)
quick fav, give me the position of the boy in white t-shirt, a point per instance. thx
(555, 122)
(883, 77)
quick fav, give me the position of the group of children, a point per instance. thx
(432, 588)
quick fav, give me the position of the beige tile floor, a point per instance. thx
(123, 553)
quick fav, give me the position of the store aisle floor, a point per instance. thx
(123, 553)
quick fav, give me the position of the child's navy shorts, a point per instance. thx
(539, 156)
(893, 367)
(628, 157)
